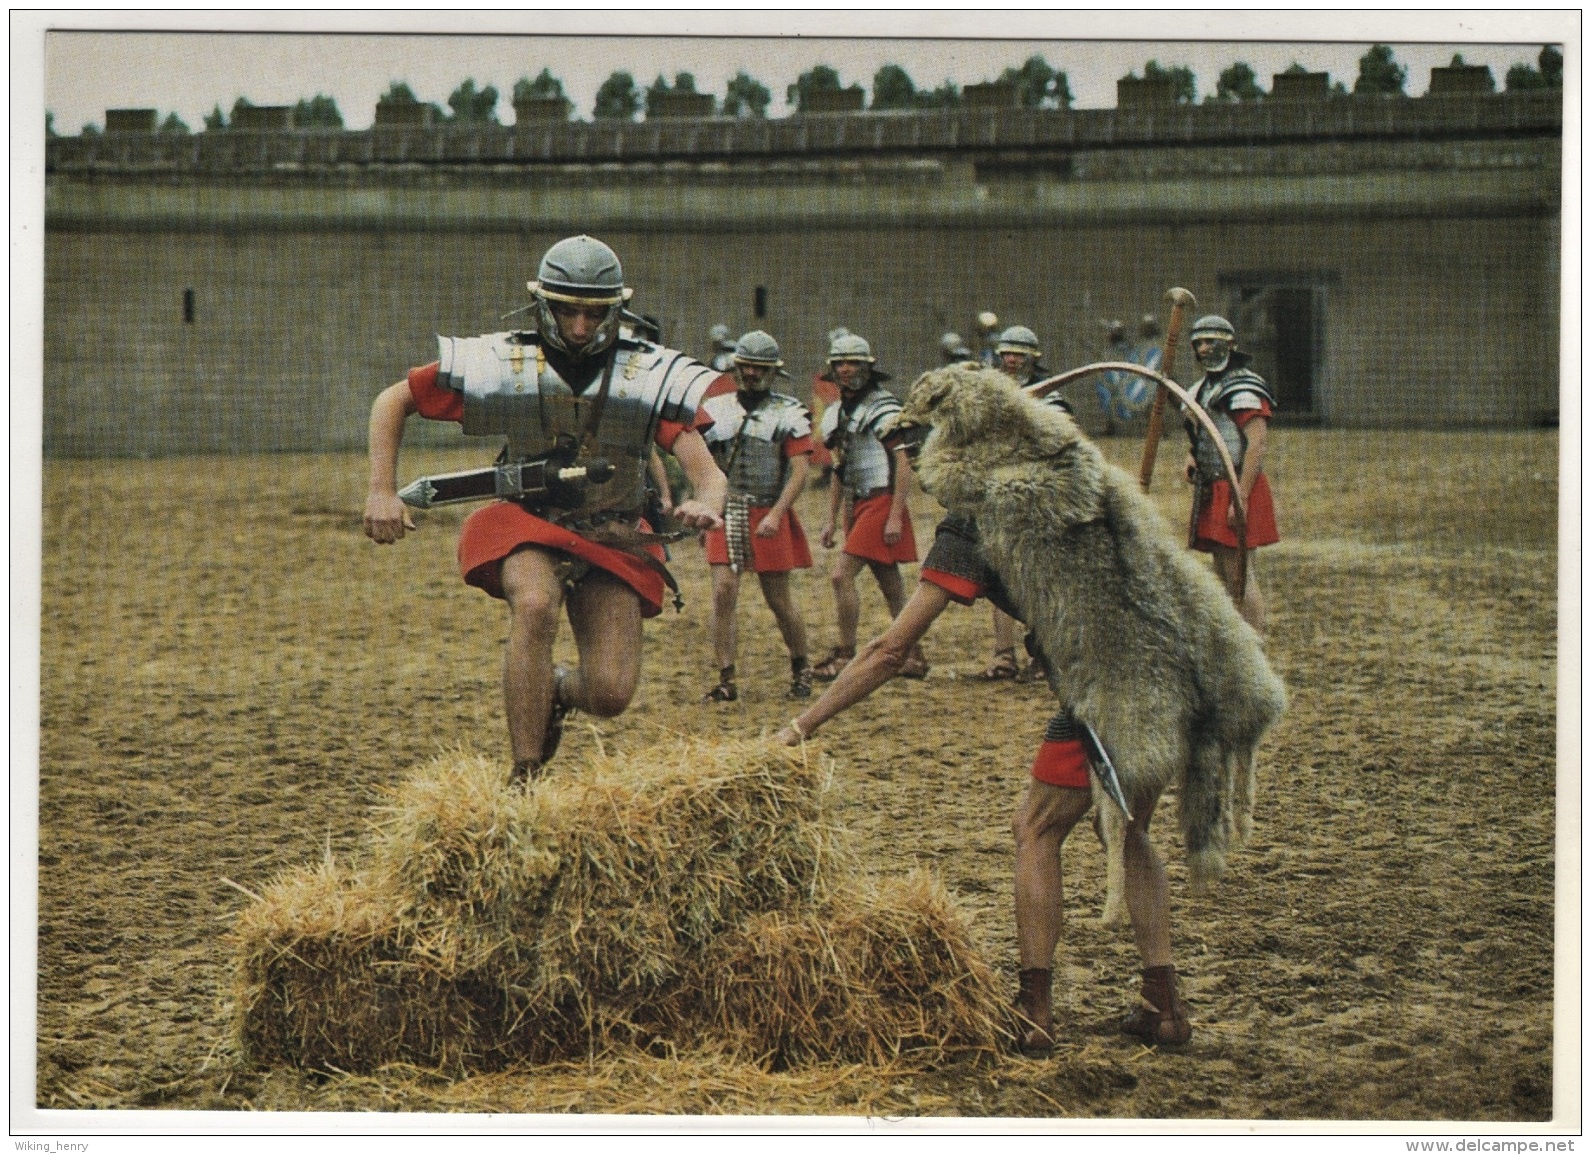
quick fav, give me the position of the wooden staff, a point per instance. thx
(1180, 300)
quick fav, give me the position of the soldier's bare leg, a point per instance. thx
(847, 601)
(721, 626)
(1042, 822)
(1252, 604)
(776, 592)
(887, 573)
(534, 595)
(605, 615)
(1147, 903)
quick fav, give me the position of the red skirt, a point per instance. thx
(492, 533)
(1211, 529)
(784, 551)
(864, 532)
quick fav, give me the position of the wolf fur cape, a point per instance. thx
(1142, 642)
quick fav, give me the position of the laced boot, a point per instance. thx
(725, 691)
(1161, 1018)
(554, 733)
(1035, 1021)
(800, 677)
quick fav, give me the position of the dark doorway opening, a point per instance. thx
(1281, 320)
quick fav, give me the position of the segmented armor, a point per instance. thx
(749, 445)
(1235, 387)
(856, 438)
(509, 388)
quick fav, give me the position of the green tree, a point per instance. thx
(1238, 83)
(215, 120)
(473, 106)
(820, 78)
(175, 124)
(546, 86)
(1380, 74)
(1183, 89)
(399, 93)
(90, 129)
(1038, 85)
(1524, 78)
(240, 103)
(947, 95)
(683, 82)
(893, 88)
(617, 98)
(746, 97)
(317, 112)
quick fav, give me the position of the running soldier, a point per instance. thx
(1019, 352)
(874, 480)
(1240, 404)
(581, 400)
(762, 441)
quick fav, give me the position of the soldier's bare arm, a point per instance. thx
(709, 488)
(386, 517)
(794, 484)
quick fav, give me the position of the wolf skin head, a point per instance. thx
(986, 430)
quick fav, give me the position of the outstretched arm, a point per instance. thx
(386, 517)
(704, 509)
(879, 661)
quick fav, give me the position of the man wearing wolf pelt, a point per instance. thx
(1141, 645)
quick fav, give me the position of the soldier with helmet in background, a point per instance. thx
(1240, 405)
(1019, 353)
(581, 399)
(762, 442)
(723, 355)
(952, 349)
(988, 326)
(874, 480)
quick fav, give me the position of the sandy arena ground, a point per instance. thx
(232, 674)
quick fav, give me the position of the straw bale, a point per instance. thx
(638, 900)
(867, 976)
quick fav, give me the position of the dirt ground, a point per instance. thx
(231, 675)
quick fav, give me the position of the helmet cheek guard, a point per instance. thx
(579, 271)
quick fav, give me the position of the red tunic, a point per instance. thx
(864, 532)
(1210, 528)
(492, 533)
(785, 550)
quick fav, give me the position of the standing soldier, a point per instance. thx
(762, 441)
(988, 326)
(1019, 353)
(874, 480)
(723, 355)
(953, 349)
(1240, 405)
(582, 401)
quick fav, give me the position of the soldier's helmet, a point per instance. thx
(987, 322)
(579, 271)
(952, 348)
(1114, 330)
(849, 347)
(1149, 326)
(758, 348)
(719, 336)
(1213, 328)
(1019, 339)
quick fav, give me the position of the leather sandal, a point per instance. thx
(1161, 1018)
(723, 692)
(915, 666)
(801, 679)
(1003, 668)
(829, 668)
